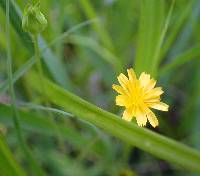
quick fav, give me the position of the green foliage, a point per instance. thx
(8, 165)
(150, 29)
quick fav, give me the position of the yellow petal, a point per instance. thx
(152, 119)
(141, 116)
(118, 89)
(152, 100)
(127, 115)
(141, 120)
(153, 94)
(151, 84)
(131, 75)
(120, 100)
(156, 91)
(144, 79)
(134, 111)
(160, 106)
(122, 80)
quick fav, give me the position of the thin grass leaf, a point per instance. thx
(190, 123)
(48, 109)
(32, 163)
(15, 19)
(103, 52)
(182, 16)
(88, 9)
(18, 74)
(156, 58)
(189, 55)
(8, 166)
(183, 40)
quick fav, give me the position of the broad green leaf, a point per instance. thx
(150, 28)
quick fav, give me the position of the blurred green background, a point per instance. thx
(95, 41)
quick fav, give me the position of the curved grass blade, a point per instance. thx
(48, 109)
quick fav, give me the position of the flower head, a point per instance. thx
(138, 96)
(33, 20)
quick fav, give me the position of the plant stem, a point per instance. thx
(42, 88)
(16, 121)
(39, 64)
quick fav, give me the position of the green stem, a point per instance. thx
(39, 64)
(43, 90)
(21, 140)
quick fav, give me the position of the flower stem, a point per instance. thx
(42, 88)
(32, 163)
(39, 64)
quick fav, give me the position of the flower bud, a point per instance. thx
(33, 20)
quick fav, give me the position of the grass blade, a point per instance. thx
(156, 58)
(8, 166)
(151, 22)
(88, 9)
(182, 16)
(181, 59)
(103, 52)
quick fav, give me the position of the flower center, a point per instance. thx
(136, 94)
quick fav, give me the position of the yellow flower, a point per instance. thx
(138, 96)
